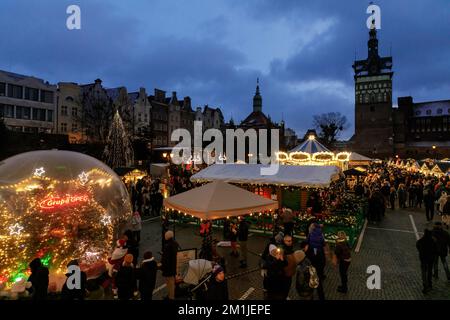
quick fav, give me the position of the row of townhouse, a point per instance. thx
(84, 111)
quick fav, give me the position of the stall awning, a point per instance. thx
(218, 200)
(298, 176)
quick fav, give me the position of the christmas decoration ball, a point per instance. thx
(58, 206)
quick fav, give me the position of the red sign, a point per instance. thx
(64, 201)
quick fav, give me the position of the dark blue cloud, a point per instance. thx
(214, 50)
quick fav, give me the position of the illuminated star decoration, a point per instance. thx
(106, 220)
(83, 177)
(15, 229)
(39, 172)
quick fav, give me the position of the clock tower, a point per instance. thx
(373, 102)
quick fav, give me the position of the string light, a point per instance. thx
(39, 172)
(60, 220)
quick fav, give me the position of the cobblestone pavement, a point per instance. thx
(389, 245)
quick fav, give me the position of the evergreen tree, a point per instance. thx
(118, 151)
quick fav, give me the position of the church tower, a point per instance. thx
(373, 102)
(257, 99)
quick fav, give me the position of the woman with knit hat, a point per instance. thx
(126, 279)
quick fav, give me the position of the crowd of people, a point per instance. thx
(386, 186)
(282, 264)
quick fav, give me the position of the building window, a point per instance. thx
(418, 113)
(380, 98)
(366, 98)
(69, 98)
(64, 110)
(38, 114)
(15, 91)
(6, 110)
(2, 89)
(63, 127)
(74, 127)
(50, 115)
(31, 94)
(46, 96)
(439, 111)
(74, 112)
(23, 113)
(428, 112)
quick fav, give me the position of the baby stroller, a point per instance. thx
(196, 278)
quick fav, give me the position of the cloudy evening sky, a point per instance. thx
(213, 50)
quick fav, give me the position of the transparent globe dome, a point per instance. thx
(58, 206)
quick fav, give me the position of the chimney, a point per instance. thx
(98, 81)
(174, 99)
(187, 102)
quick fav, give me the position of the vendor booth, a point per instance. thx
(292, 187)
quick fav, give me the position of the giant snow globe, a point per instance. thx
(58, 206)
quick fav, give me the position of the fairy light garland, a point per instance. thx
(56, 221)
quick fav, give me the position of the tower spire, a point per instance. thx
(257, 99)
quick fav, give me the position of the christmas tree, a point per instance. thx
(118, 151)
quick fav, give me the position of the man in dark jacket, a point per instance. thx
(132, 245)
(217, 286)
(276, 279)
(147, 276)
(74, 294)
(428, 200)
(443, 244)
(169, 263)
(243, 237)
(427, 254)
(38, 280)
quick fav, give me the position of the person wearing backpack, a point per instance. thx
(342, 259)
(316, 254)
(306, 279)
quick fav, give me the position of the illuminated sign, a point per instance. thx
(64, 201)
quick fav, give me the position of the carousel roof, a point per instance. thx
(310, 145)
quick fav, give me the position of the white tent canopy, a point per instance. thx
(300, 176)
(358, 157)
(218, 200)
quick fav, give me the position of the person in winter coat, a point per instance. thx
(392, 197)
(302, 278)
(74, 294)
(316, 254)
(343, 259)
(243, 237)
(233, 239)
(136, 226)
(288, 221)
(429, 202)
(289, 270)
(276, 280)
(126, 279)
(169, 263)
(115, 262)
(442, 201)
(217, 286)
(38, 280)
(132, 245)
(443, 244)
(147, 276)
(401, 196)
(427, 254)
(412, 192)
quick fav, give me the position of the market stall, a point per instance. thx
(292, 186)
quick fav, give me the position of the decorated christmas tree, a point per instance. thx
(118, 151)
